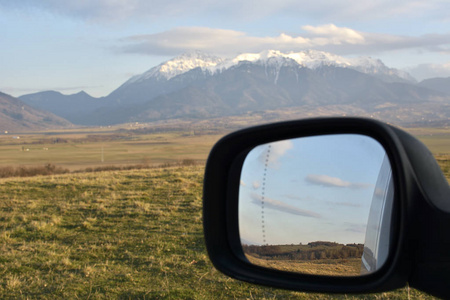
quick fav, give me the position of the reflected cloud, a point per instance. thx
(298, 198)
(274, 151)
(328, 181)
(256, 185)
(243, 183)
(283, 207)
(358, 228)
(348, 204)
(379, 192)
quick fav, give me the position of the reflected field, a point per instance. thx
(318, 258)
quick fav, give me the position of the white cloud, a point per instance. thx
(230, 42)
(283, 207)
(334, 10)
(181, 39)
(335, 35)
(328, 181)
(328, 37)
(111, 11)
(94, 10)
(424, 71)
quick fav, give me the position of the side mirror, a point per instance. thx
(327, 205)
(315, 205)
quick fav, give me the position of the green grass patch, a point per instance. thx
(119, 234)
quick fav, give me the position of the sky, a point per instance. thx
(96, 45)
(309, 189)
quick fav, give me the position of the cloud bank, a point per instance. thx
(344, 10)
(283, 207)
(328, 37)
(328, 181)
(424, 71)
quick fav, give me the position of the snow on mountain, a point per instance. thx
(373, 66)
(179, 65)
(311, 59)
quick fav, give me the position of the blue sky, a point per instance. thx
(309, 189)
(97, 45)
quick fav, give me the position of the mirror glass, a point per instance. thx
(317, 205)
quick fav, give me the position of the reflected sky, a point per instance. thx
(309, 189)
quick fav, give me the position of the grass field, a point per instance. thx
(89, 148)
(436, 139)
(120, 234)
(76, 151)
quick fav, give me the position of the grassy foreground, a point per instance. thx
(118, 234)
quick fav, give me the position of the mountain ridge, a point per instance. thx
(198, 85)
(309, 58)
(438, 84)
(16, 116)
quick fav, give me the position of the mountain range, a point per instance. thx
(16, 115)
(199, 85)
(438, 84)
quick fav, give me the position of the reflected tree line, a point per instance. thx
(312, 251)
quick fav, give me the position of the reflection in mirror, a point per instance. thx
(317, 205)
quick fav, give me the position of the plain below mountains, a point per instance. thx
(201, 86)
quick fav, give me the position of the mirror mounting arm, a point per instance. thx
(428, 220)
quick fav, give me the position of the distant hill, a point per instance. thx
(16, 116)
(438, 84)
(202, 86)
(71, 107)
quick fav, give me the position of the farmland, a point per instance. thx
(122, 233)
(76, 151)
(96, 147)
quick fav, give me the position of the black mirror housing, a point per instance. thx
(421, 193)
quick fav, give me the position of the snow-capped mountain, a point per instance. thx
(311, 59)
(194, 67)
(179, 65)
(198, 85)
